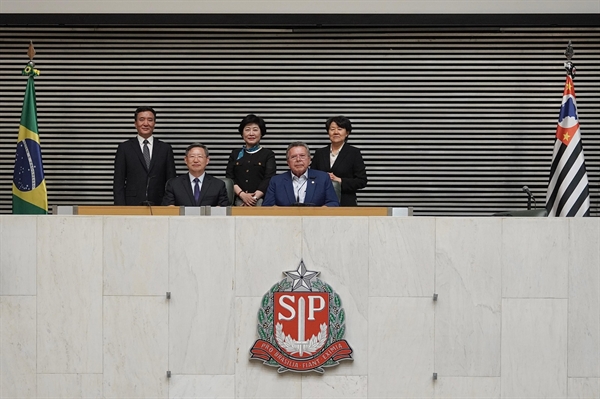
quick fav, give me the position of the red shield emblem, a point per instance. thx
(301, 322)
(301, 325)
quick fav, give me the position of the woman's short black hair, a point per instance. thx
(251, 118)
(341, 121)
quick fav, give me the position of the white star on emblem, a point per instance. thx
(301, 277)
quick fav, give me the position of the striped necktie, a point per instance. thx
(146, 153)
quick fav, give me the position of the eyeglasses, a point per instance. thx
(196, 156)
(301, 157)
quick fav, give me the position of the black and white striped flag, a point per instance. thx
(568, 189)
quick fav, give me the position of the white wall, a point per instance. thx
(302, 6)
(83, 311)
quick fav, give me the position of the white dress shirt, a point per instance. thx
(333, 157)
(200, 180)
(150, 143)
(299, 184)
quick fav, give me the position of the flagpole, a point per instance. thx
(568, 187)
(570, 68)
(29, 183)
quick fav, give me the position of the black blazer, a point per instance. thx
(133, 182)
(179, 192)
(253, 171)
(349, 166)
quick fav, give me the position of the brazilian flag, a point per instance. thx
(29, 186)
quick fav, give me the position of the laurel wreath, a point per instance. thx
(337, 316)
(291, 346)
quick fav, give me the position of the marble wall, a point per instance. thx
(84, 312)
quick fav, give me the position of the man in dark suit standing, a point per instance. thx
(300, 185)
(143, 164)
(196, 188)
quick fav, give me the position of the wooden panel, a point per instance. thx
(128, 210)
(309, 211)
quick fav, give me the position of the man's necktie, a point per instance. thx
(197, 191)
(146, 153)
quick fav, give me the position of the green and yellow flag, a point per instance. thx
(29, 185)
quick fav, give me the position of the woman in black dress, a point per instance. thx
(343, 162)
(252, 166)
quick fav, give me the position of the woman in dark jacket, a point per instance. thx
(252, 166)
(343, 162)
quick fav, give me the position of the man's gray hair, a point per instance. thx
(196, 145)
(297, 144)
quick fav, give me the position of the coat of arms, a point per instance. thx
(301, 325)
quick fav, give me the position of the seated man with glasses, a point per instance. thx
(300, 185)
(196, 188)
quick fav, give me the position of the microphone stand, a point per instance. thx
(149, 205)
(147, 202)
(529, 197)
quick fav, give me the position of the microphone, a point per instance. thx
(529, 198)
(302, 204)
(300, 189)
(147, 202)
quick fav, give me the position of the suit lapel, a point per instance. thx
(187, 186)
(341, 156)
(310, 187)
(205, 186)
(138, 151)
(289, 187)
(325, 158)
(155, 153)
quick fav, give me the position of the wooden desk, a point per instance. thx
(110, 210)
(308, 211)
(122, 210)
